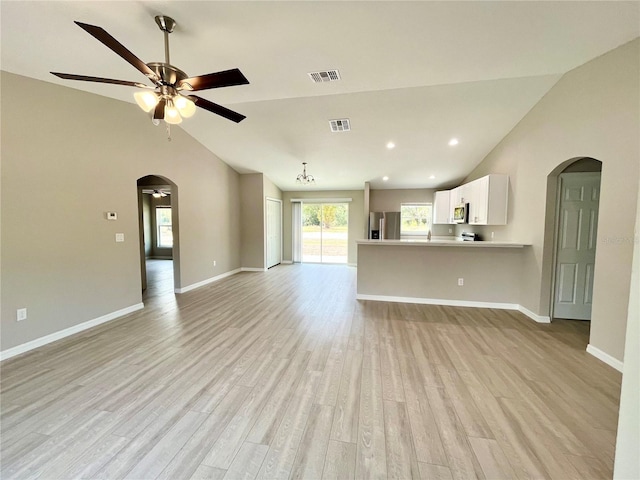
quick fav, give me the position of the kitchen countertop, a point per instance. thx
(442, 242)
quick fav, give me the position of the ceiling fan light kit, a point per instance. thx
(147, 101)
(165, 101)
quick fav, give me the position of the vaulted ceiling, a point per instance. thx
(413, 73)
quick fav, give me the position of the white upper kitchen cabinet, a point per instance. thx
(488, 200)
(458, 196)
(441, 207)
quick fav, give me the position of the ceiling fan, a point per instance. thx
(169, 99)
(156, 193)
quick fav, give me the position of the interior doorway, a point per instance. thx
(325, 232)
(273, 245)
(158, 233)
(578, 196)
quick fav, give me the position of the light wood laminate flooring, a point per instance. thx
(283, 374)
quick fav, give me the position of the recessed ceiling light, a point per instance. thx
(453, 142)
(391, 145)
(432, 177)
(385, 178)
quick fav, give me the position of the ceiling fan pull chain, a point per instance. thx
(168, 132)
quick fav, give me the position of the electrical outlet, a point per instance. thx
(21, 314)
(119, 237)
(492, 235)
(451, 230)
(461, 282)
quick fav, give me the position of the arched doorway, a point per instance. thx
(158, 222)
(571, 220)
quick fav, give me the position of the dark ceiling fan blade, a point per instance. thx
(100, 34)
(158, 113)
(217, 109)
(226, 78)
(71, 76)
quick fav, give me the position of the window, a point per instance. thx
(164, 228)
(415, 218)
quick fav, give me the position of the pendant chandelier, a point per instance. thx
(305, 179)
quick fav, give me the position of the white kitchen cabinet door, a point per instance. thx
(441, 208)
(479, 201)
(488, 200)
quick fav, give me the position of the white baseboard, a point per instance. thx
(534, 316)
(438, 301)
(252, 269)
(605, 357)
(457, 303)
(39, 342)
(286, 262)
(193, 286)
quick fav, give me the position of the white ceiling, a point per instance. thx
(415, 73)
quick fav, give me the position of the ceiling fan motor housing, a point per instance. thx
(168, 74)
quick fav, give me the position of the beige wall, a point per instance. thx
(391, 199)
(627, 462)
(254, 188)
(593, 111)
(146, 225)
(356, 218)
(67, 158)
(432, 272)
(270, 189)
(252, 220)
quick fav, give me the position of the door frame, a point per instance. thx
(322, 202)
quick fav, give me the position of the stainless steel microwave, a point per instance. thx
(461, 213)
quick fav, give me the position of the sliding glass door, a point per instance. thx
(325, 232)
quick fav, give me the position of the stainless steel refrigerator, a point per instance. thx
(384, 225)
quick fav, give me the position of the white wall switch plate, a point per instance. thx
(214, 263)
(461, 282)
(21, 314)
(119, 237)
(112, 216)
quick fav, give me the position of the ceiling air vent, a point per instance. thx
(341, 125)
(324, 76)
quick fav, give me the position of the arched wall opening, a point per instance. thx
(168, 189)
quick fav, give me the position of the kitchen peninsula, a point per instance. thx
(442, 271)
